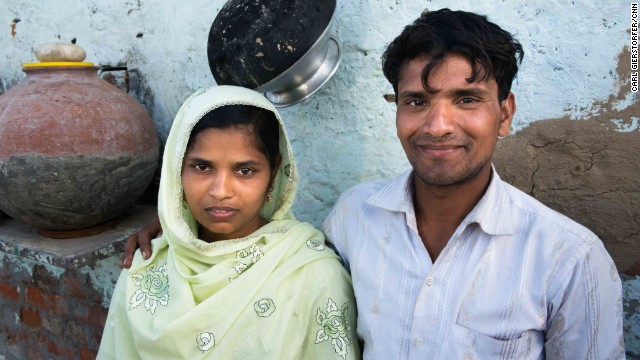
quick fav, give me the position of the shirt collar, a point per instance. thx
(492, 213)
(396, 195)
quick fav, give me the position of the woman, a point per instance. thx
(234, 275)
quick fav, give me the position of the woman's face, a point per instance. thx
(225, 179)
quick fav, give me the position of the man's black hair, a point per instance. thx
(491, 51)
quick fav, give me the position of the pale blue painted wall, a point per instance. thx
(344, 134)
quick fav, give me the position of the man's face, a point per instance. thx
(449, 136)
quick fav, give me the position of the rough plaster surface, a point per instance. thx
(586, 169)
(631, 305)
(345, 133)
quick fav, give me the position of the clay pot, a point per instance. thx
(75, 151)
(279, 47)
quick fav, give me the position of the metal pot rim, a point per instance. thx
(307, 75)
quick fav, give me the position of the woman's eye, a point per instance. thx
(201, 167)
(245, 171)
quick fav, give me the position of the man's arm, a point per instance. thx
(140, 239)
(587, 323)
(334, 232)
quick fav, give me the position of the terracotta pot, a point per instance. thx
(75, 151)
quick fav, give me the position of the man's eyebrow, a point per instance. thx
(474, 91)
(412, 94)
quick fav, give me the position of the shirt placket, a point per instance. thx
(433, 305)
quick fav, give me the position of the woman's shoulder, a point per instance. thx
(159, 249)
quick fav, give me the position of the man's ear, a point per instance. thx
(508, 110)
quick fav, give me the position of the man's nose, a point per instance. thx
(439, 119)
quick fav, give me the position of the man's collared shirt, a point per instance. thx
(516, 280)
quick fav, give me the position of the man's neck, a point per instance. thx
(441, 209)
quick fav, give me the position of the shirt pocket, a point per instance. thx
(469, 344)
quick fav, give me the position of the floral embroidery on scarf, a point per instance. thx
(152, 288)
(335, 327)
(315, 244)
(206, 341)
(255, 251)
(251, 255)
(264, 307)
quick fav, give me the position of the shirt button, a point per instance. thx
(419, 342)
(429, 281)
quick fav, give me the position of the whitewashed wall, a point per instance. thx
(344, 134)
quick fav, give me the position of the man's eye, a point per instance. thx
(415, 102)
(201, 167)
(468, 100)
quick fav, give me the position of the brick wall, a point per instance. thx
(48, 315)
(55, 293)
(53, 304)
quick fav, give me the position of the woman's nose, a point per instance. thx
(221, 187)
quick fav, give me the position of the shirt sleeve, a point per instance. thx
(334, 231)
(587, 320)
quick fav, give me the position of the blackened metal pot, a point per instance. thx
(282, 48)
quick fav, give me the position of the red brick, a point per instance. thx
(54, 323)
(75, 333)
(44, 279)
(73, 285)
(35, 353)
(31, 317)
(88, 354)
(9, 291)
(97, 316)
(57, 349)
(15, 341)
(44, 300)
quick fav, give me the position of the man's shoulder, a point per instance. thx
(366, 192)
(539, 214)
(360, 193)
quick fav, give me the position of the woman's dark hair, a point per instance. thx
(492, 51)
(261, 122)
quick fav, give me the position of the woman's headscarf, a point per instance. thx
(278, 293)
(171, 206)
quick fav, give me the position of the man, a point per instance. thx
(447, 260)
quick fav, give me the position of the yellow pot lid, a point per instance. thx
(56, 63)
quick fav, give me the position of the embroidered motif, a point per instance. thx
(255, 251)
(206, 341)
(315, 244)
(335, 327)
(152, 288)
(264, 307)
(253, 254)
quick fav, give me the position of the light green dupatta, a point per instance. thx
(278, 293)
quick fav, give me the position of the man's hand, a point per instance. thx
(142, 240)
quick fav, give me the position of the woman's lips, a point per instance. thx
(221, 213)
